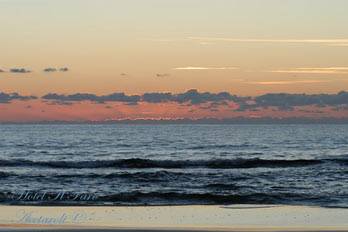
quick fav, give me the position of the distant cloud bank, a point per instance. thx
(194, 97)
(288, 82)
(281, 101)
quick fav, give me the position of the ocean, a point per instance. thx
(113, 164)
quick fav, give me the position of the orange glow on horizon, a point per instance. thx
(37, 110)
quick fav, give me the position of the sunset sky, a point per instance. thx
(243, 47)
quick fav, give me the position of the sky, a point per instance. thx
(247, 48)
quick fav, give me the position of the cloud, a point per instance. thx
(331, 68)
(157, 97)
(326, 70)
(191, 96)
(47, 70)
(162, 75)
(8, 97)
(205, 100)
(205, 68)
(288, 82)
(64, 69)
(195, 97)
(50, 70)
(336, 42)
(78, 97)
(256, 40)
(19, 70)
(284, 101)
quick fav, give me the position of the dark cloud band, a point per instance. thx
(284, 101)
(191, 96)
(115, 97)
(7, 98)
(281, 101)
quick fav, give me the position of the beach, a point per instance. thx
(174, 218)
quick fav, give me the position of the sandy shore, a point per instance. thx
(174, 218)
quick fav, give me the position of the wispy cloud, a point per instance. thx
(205, 68)
(288, 82)
(255, 40)
(325, 70)
(306, 71)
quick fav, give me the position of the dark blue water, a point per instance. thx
(175, 164)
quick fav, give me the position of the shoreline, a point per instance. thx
(234, 206)
(173, 218)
